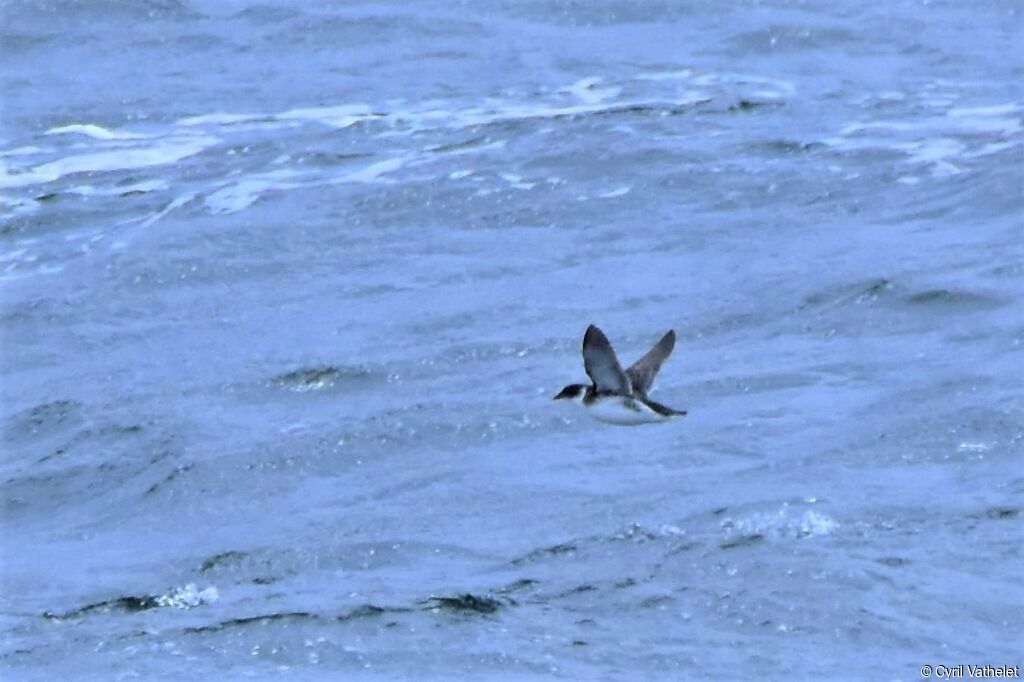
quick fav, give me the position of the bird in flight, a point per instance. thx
(618, 396)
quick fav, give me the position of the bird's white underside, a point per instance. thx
(617, 410)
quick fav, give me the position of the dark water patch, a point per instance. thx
(1002, 513)
(545, 552)
(223, 559)
(1013, 270)
(655, 601)
(953, 300)
(114, 432)
(682, 547)
(265, 619)
(518, 585)
(175, 473)
(730, 323)
(471, 143)
(371, 611)
(579, 589)
(466, 603)
(662, 109)
(646, 110)
(258, 568)
(86, 467)
(130, 604)
(745, 105)
(321, 377)
(44, 419)
(13, 43)
(866, 291)
(742, 541)
(783, 147)
(266, 14)
(319, 158)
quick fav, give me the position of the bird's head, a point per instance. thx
(572, 392)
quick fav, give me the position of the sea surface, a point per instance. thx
(286, 290)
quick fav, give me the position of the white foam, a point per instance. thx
(992, 148)
(617, 192)
(679, 74)
(932, 150)
(992, 110)
(12, 255)
(940, 141)
(861, 126)
(246, 191)
(161, 152)
(586, 91)
(142, 186)
(188, 597)
(945, 169)
(95, 131)
(782, 525)
(374, 171)
(341, 116)
(242, 194)
(779, 87)
(22, 151)
(18, 206)
(517, 181)
(176, 203)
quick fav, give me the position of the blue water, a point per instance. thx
(287, 289)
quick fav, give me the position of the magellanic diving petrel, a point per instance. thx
(618, 396)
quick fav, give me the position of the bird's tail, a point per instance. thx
(663, 410)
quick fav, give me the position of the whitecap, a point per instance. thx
(991, 110)
(782, 525)
(95, 131)
(176, 203)
(586, 91)
(932, 150)
(22, 151)
(141, 186)
(373, 172)
(617, 192)
(188, 597)
(516, 181)
(340, 116)
(679, 74)
(242, 194)
(162, 152)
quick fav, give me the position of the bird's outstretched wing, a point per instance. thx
(641, 374)
(601, 364)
